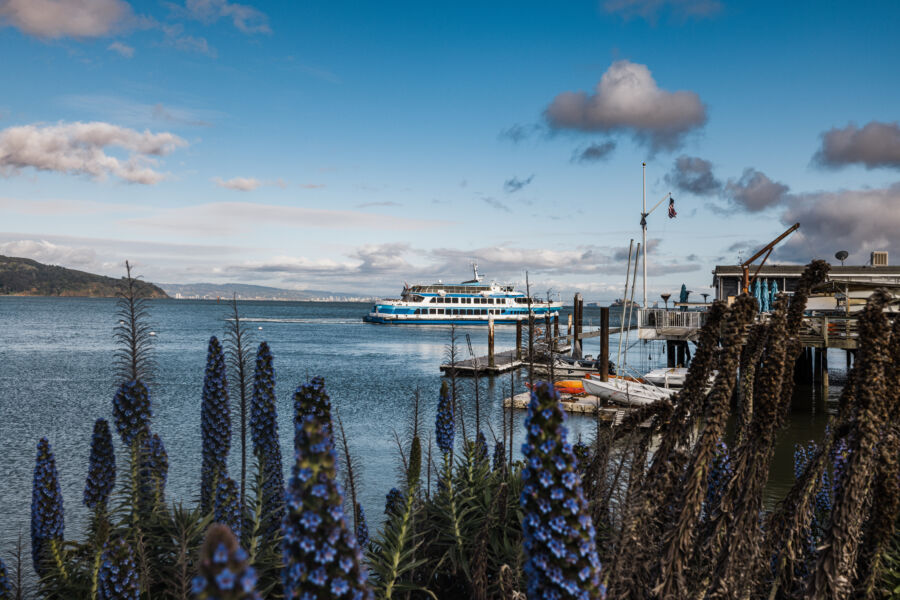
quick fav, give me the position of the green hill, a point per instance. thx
(26, 277)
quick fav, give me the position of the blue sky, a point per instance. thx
(354, 146)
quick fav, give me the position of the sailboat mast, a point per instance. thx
(644, 224)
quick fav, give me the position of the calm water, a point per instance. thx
(56, 378)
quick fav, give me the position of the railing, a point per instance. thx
(659, 318)
(830, 331)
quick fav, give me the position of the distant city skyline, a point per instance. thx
(352, 147)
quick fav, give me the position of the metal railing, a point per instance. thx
(659, 318)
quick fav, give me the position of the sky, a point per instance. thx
(354, 146)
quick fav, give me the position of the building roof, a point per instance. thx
(797, 270)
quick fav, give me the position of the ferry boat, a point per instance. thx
(471, 302)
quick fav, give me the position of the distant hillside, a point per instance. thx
(26, 277)
(244, 291)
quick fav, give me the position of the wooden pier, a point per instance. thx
(583, 404)
(502, 362)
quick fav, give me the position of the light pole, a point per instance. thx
(665, 298)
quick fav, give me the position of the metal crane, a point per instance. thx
(767, 250)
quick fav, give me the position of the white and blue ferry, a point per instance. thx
(468, 303)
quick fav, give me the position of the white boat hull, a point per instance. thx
(629, 393)
(667, 377)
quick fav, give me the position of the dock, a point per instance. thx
(507, 360)
(582, 403)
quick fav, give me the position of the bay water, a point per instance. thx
(57, 377)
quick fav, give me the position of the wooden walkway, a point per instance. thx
(585, 404)
(503, 362)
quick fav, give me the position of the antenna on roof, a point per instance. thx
(841, 255)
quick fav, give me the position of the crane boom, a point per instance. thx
(767, 250)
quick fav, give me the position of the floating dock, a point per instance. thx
(583, 403)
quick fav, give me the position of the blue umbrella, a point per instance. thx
(757, 293)
(774, 292)
(765, 295)
(684, 293)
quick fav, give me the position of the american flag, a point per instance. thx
(672, 213)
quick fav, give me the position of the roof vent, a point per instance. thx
(880, 258)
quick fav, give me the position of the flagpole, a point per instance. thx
(644, 224)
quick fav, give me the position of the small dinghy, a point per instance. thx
(673, 377)
(623, 391)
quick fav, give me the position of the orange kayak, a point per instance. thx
(568, 386)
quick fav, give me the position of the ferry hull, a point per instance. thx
(498, 320)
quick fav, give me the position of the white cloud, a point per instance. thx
(239, 184)
(50, 253)
(651, 9)
(65, 18)
(226, 218)
(176, 38)
(122, 49)
(246, 18)
(81, 148)
(627, 99)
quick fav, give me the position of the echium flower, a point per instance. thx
(118, 579)
(558, 533)
(154, 470)
(720, 471)
(393, 501)
(310, 400)
(362, 528)
(215, 417)
(228, 505)
(6, 592)
(224, 570)
(499, 456)
(443, 422)
(47, 517)
(101, 476)
(131, 409)
(264, 432)
(322, 557)
(480, 448)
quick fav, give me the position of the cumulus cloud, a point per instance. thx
(594, 152)
(857, 221)
(81, 148)
(244, 17)
(650, 10)
(627, 99)
(754, 191)
(875, 145)
(693, 175)
(65, 18)
(50, 253)
(121, 49)
(515, 184)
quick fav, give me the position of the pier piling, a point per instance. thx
(491, 341)
(604, 343)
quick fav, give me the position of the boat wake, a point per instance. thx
(322, 320)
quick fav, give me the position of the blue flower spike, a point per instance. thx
(47, 516)
(131, 411)
(215, 417)
(266, 446)
(225, 573)
(322, 555)
(101, 476)
(558, 533)
(118, 579)
(443, 422)
(228, 505)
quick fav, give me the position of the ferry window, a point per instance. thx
(440, 311)
(432, 311)
(482, 311)
(455, 301)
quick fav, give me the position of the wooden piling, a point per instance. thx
(825, 371)
(491, 341)
(576, 340)
(518, 339)
(604, 343)
(679, 354)
(817, 365)
(670, 354)
(556, 325)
